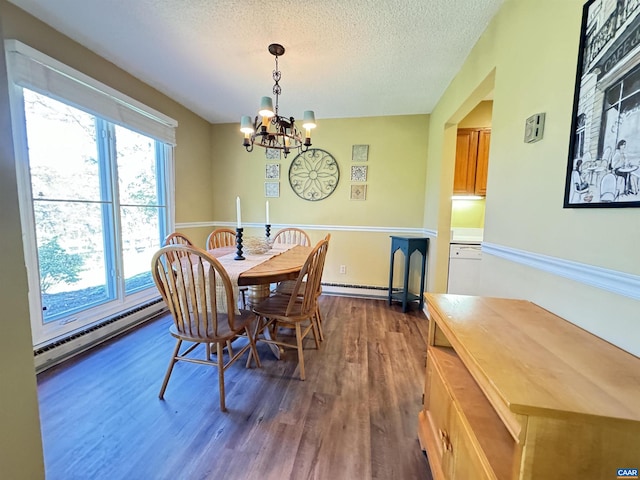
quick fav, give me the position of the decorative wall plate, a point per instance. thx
(314, 174)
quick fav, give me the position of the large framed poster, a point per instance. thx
(604, 152)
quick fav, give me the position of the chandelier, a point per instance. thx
(269, 129)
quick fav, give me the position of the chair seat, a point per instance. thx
(224, 332)
(275, 307)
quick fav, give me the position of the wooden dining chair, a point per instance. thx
(197, 291)
(225, 237)
(286, 288)
(292, 235)
(221, 237)
(177, 238)
(295, 311)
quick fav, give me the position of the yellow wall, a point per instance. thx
(395, 186)
(479, 117)
(467, 213)
(20, 443)
(531, 73)
(20, 446)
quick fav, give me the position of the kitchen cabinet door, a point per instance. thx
(482, 163)
(466, 153)
(472, 161)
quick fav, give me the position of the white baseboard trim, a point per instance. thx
(620, 283)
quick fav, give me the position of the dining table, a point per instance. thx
(258, 271)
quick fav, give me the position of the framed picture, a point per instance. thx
(359, 153)
(358, 173)
(272, 171)
(358, 192)
(272, 154)
(271, 189)
(603, 168)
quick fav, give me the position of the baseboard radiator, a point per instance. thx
(64, 348)
(349, 290)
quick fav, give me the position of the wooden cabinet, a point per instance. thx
(472, 161)
(514, 392)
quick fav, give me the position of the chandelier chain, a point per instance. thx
(277, 75)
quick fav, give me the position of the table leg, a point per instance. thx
(257, 293)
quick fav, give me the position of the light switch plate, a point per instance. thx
(534, 127)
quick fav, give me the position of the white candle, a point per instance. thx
(267, 209)
(238, 212)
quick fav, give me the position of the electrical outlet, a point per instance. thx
(343, 269)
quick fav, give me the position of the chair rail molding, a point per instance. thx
(621, 283)
(345, 228)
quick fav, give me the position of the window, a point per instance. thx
(620, 111)
(95, 183)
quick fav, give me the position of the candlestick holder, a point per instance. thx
(239, 244)
(267, 230)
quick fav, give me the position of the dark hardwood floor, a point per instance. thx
(355, 417)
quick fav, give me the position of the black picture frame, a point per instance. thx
(603, 168)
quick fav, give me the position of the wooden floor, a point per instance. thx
(355, 417)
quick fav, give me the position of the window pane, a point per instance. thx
(136, 168)
(63, 155)
(73, 271)
(138, 197)
(140, 240)
(612, 96)
(631, 83)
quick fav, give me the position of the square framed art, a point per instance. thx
(272, 171)
(358, 173)
(271, 189)
(272, 154)
(359, 153)
(358, 192)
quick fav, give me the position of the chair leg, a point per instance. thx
(223, 407)
(319, 322)
(252, 348)
(300, 352)
(313, 326)
(170, 369)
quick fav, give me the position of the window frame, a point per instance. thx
(145, 120)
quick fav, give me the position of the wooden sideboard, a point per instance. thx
(513, 391)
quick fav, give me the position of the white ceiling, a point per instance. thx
(344, 58)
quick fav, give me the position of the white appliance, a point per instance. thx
(464, 269)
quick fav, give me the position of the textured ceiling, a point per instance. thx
(344, 58)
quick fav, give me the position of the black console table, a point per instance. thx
(408, 245)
